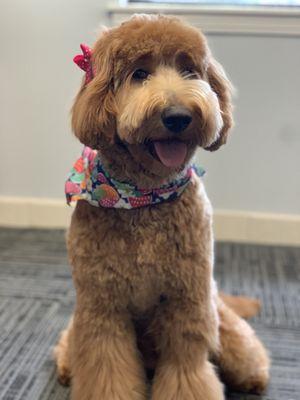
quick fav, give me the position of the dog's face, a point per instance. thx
(157, 93)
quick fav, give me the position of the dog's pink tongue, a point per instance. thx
(171, 153)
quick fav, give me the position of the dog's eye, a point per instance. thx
(190, 74)
(140, 75)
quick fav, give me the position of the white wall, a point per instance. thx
(38, 81)
(259, 168)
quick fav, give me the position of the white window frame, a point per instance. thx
(269, 21)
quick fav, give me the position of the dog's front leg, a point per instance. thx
(105, 360)
(184, 371)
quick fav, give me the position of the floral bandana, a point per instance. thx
(89, 181)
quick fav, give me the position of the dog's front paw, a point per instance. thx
(64, 376)
(179, 383)
(61, 356)
(255, 383)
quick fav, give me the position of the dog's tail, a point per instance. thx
(245, 307)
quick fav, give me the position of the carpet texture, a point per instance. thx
(37, 298)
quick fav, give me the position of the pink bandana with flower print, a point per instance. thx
(89, 181)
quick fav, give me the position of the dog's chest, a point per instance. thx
(165, 246)
(143, 256)
(150, 254)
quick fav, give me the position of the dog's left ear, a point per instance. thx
(223, 89)
(94, 109)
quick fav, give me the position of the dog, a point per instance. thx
(140, 242)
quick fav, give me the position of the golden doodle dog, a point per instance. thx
(140, 242)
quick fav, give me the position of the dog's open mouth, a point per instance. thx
(171, 152)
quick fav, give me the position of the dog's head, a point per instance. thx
(157, 94)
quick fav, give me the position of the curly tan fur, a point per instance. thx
(145, 294)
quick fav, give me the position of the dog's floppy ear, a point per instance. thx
(223, 89)
(94, 107)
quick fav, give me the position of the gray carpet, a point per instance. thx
(36, 300)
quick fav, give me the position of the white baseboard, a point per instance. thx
(29, 212)
(255, 227)
(229, 225)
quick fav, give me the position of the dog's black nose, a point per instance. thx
(176, 119)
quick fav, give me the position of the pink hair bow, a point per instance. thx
(84, 62)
